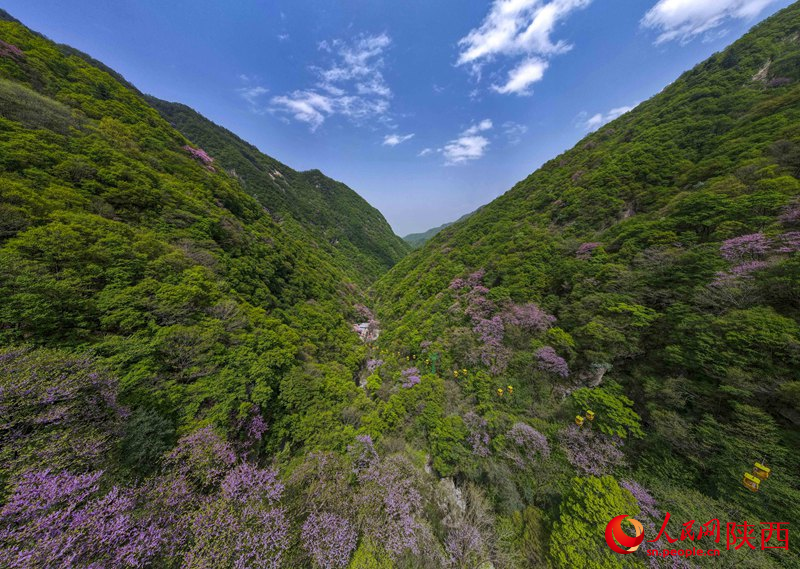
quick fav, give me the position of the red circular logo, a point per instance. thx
(616, 535)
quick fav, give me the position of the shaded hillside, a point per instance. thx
(651, 272)
(355, 232)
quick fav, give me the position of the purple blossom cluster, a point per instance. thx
(199, 154)
(391, 505)
(789, 242)
(529, 445)
(591, 453)
(63, 520)
(463, 546)
(329, 539)
(256, 427)
(247, 483)
(478, 436)
(738, 273)
(529, 317)
(489, 328)
(746, 247)
(586, 249)
(372, 365)
(550, 362)
(10, 50)
(425, 344)
(410, 377)
(749, 251)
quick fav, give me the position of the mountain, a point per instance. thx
(417, 240)
(181, 383)
(353, 231)
(124, 243)
(651, 274)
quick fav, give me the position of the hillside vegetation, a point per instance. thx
(355, 234)
(181, 385)
(650, 274)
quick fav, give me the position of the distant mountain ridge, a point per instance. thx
(417, 240)
(356, 233)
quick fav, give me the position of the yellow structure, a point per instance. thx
(590, 415)
(579, 420)
(761, 471)
(751, 482)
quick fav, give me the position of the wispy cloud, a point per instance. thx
(252, 94)
(470, 144)
(514, 132)
(351, 84)
(593, 122)
(425, 152)
(520, 30)
(395, 139)
(683, 20)
(522, 77)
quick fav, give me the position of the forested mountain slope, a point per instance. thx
(351, 229)
(180, 385)
(121, 240)
(652, 275)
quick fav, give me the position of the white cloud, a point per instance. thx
(595, 121)
(425, 152)
(283, 37)
(514, 131)
(518, 29)
(683, 20)
(485, 124)
(470, 145)
(351, 85)
(523, 76)
(306, 106)
(252, 94)
(395, 139)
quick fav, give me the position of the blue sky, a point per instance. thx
(427, 108)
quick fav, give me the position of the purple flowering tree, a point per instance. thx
(329, 540)
(10, 50)
(586, 249)
(591, 453)
(410, 377)
(199, 154)
(746, 248)
(549, 361)
(390, 505)
(529, 317)
(463, 546)
(64, 520)
(527, 445)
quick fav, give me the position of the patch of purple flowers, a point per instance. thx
(746, 247)
(329, 539)
(550, 362)
(410, 377)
